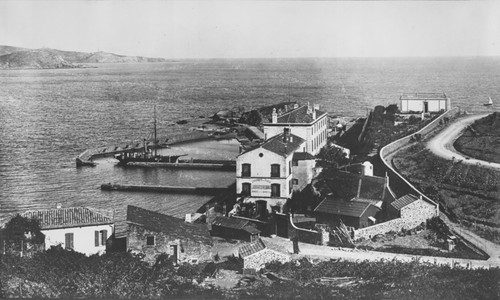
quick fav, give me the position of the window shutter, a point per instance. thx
(68, 243)
(96, 238)
(104, 237)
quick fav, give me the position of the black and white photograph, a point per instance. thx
(249, 149)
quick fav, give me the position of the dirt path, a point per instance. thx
(442, 144)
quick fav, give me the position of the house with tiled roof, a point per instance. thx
(410, 207)
(234, 228)
(256, 255)
(152, 233)
(306, 122)
(354, 199)
(264, 173)
(80, 229)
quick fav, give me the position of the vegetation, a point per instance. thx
(465, 191)
(59, 273)
(482, 139)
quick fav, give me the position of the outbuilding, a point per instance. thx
(234, 228)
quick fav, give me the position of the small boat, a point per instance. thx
(489, 103)
(81, 163)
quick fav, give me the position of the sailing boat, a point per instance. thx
(490, 102)
(147, 157)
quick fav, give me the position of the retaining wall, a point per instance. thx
(398, 144)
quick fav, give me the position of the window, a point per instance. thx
(100, 237)
(150, 240)
(290, 186)
(245, 188)
(295, 181)
(246, 170)
(289, 167)
(275, 170)
(275, 190)
(68, 241)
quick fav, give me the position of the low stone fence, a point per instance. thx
(395, 225)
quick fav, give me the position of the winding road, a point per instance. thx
(442, 144)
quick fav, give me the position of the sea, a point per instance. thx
(48, 117)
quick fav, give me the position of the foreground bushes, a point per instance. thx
(63, 274)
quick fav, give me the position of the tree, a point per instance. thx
(21, 228)
(391, 109)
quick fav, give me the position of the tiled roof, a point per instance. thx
(235, 223)
(403, 201)
(251, 248)
(299, 115)
(302, 156)
(68, 217)
(346, 186)
(278, 146)
(167, 224)
(343, 208)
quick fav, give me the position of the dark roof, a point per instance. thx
(251, 248)
(403, 201)
(235, 223)
(167, 224)
(299, 115)
(277, 144)
(346, 186)
(302, 156)
(343, 208)
(68, 217)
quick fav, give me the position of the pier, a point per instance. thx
(208, 191)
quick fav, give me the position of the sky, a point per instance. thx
(255, 29)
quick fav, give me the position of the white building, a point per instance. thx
(265, 173)
(305, 121)
(424, 102)
(78, 228)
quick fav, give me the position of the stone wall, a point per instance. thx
(396, 145)
(258, 260)
(190, 251)
(412, 215)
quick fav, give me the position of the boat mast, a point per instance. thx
(156, 145)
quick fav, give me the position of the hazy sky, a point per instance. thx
(205, 29)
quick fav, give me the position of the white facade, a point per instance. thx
(302, 173)
(314, 131)
(86, 239)
(260, 180)
(424, 102)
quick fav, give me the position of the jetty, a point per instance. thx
(209, 191)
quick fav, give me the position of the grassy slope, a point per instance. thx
(483, 140)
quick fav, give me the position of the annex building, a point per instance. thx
(424, 102)
(306, 122)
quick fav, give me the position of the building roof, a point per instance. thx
(343, 208)
(346, 186)
(423, 96)
(68, 217)
(235, 223)
(302, 156)
(404, 201)
(277, 144)
(167, 224)
(299, 115)
(251, 248)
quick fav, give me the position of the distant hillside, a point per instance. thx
(45, 58)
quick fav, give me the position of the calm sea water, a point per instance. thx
(48, 117)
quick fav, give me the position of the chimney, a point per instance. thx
(314, 114)
(286, 135)
(295, 106)
(58, 205)
(188, 218)
(274, 116)
(308, 107)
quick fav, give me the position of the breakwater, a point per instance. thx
(210, 191)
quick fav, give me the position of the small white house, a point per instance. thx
(424, 102)
(78, 228)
